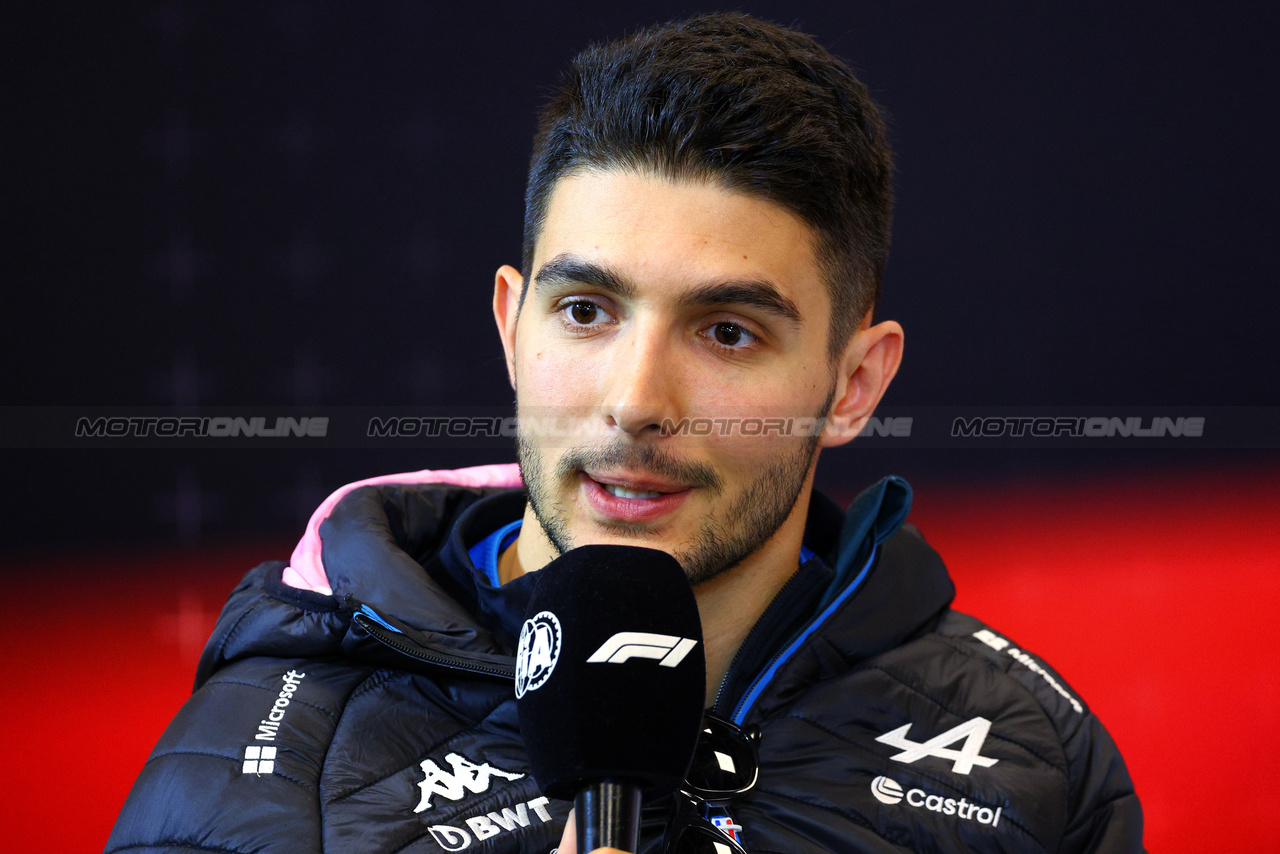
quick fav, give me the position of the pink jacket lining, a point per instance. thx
(306, 569)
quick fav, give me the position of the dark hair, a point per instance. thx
(753, 106)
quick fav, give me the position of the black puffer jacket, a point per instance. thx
(382, 718)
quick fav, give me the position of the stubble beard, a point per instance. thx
(724, 540)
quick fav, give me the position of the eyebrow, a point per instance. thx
(753, 292)
(569, 270)
(758, 293)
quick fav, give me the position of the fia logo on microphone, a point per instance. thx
(538, 652)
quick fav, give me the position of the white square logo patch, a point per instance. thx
(259, 760)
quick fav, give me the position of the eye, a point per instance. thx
(731, 335)
(585, 313)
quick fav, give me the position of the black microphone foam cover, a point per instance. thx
(610, 672)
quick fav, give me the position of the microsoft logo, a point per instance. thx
(259, 760)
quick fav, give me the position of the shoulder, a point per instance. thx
(958, 734)
(430, 497)
(286, 755)
(255, 733)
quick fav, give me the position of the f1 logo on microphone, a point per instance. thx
(627, 645)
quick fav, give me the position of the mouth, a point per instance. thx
(623, 492)
(632, 497)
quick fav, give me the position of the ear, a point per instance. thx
(869, 363)
(508, 285)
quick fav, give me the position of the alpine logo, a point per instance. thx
(466, 776)
(888, 791)
(973, 731)
(627, 645)
(537, 652)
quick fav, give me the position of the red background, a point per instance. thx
(1155, 597)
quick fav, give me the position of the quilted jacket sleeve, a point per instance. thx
(238, 768)
(1102, 813)
(223, 778)
(1106, 817)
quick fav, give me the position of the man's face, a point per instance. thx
(652, 302)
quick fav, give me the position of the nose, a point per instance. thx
(643, 389)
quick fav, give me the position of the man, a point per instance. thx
(707, 219)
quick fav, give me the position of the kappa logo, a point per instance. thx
(627, 645)
(466, 776)
(537, 652)
(974, 733)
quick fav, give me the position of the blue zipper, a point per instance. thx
(760, 682)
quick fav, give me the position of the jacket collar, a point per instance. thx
(377, 542)
(887, 585)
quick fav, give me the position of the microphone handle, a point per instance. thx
(608, 816)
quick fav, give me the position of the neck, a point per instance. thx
(731, 604)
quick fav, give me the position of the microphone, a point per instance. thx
(610, 684)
